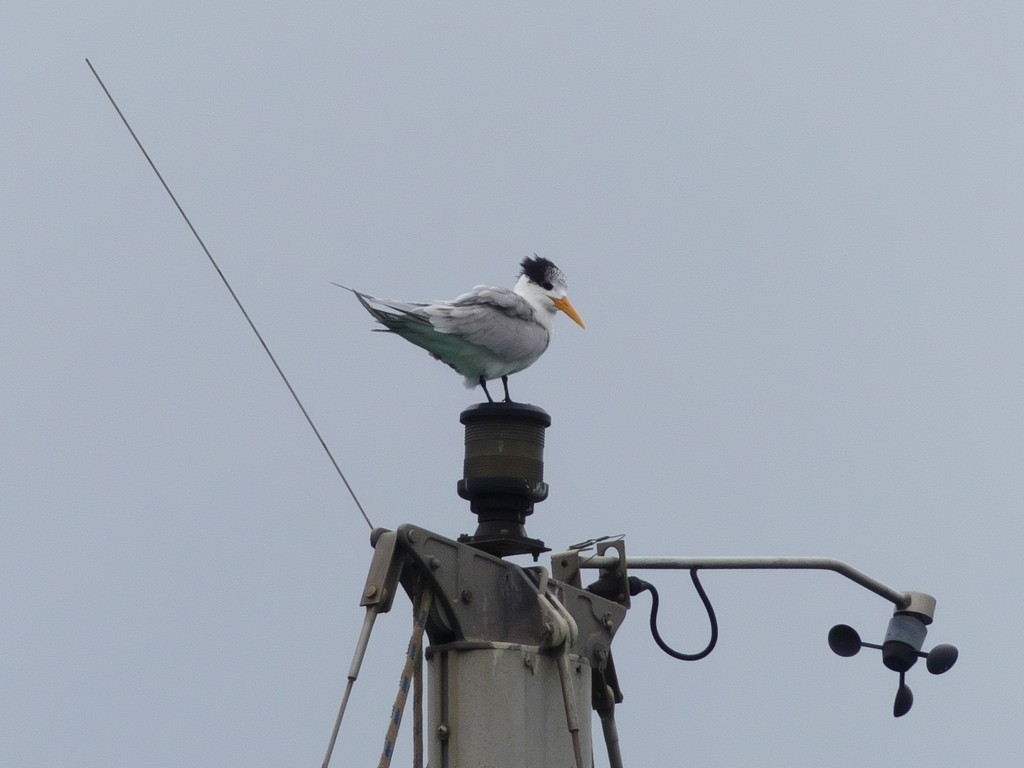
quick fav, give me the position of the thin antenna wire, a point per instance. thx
(231, 290)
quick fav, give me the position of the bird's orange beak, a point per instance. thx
(566, 306)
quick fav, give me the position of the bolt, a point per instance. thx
(434, 563)
(467, 596)
(607, 621)
(411, 534)
(442, 732)
(370, 591)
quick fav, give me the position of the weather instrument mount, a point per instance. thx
(517, 655)
(903, 640)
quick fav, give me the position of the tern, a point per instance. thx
(487, 333)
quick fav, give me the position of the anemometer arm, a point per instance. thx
(903, 639)
(902, 600)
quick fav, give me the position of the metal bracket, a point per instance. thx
(385, 570)
(480, 597)
(617, 574)
(613, 582)
(565, 566)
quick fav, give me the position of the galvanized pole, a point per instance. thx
(514, 655)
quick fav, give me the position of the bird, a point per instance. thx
(487, 333)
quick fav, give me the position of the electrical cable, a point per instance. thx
(234, 296)
(636, 586)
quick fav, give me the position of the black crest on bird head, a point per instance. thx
(542, 271)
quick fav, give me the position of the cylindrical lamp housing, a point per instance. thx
(903, 640)
(503, 474)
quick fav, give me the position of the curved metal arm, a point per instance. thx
(900, 599)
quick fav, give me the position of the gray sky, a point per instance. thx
(795, 235)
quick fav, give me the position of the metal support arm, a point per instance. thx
(902, 600)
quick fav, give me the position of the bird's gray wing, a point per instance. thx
(502, 300)
(496, 319)
(488, 331)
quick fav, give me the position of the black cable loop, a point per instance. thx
(636, 586)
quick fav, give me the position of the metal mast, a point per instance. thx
(517, 657)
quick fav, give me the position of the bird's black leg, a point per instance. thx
(504, 383)
(483, 383)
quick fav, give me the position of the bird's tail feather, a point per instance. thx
(400, 310)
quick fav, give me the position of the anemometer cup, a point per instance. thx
(901, 648)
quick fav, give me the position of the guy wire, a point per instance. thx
(234, 296)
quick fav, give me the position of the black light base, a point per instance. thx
(503, 475)
(505, 545)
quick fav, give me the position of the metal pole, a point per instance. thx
(897, 598)
(353, 673)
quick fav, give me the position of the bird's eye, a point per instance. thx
(546, 285)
